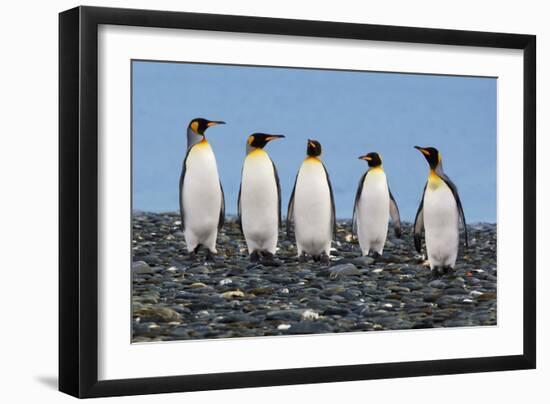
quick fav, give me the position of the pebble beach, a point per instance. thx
(176, 298)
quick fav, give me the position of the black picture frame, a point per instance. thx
(78, 201)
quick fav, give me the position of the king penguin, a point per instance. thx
(202, 204)
(374, 205)
(440, 213)
(259, 201)
(311, 207)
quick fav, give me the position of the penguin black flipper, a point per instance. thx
(333, 207)
(419, 223)
(394, 214)
(461, 216)
(278, 193)
(182, 178)
(221, 220)
(290, 211)
(357, 197)
(239, 217)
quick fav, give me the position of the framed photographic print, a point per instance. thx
(251, 201)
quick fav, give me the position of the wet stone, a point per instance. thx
(308, 327)
(343, 270)
(157, 314)
(284, 315)
(141, 267)
(439, 284)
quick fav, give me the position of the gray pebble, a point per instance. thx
(141, 267)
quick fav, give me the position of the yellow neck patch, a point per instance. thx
(434, 180)
(311, 159)
(257, 152)
(203, 143)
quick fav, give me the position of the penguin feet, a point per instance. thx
(194, 255)
(325, 259)
(210, 257)
(194, 252)
(322, 258)
(255, 256)
(448, 270)
(268, 259)
(268, 256)
(374, 254)
(439, 271)
(264, 257)
(435, 274)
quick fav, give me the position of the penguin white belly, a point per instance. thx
(373, 212)
(259, 203)
(202, 198)
(312, 210)
(440, 224)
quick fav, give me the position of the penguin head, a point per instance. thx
(313, 148)
(259, 140)
(373, 159)
(199, 125)
(431, 154)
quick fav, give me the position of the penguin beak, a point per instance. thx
(214, 123)
(422, 150)
(368, 158)
(274, 137)
(310, 143)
